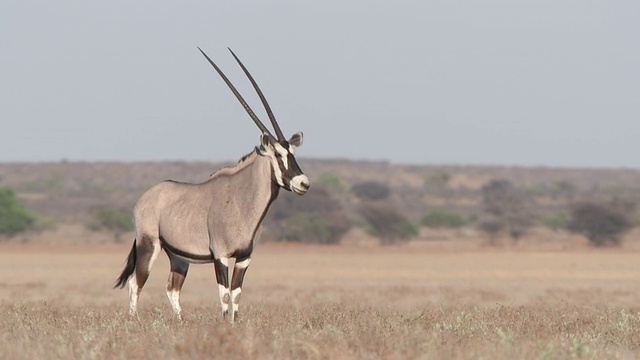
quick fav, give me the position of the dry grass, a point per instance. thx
(321, 331)
(330, 302)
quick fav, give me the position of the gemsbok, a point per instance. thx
(216, 220)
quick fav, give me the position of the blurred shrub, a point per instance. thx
(332, 182)
(507, 205)
(316, 217)
(443, 219)
(318, 200)
(112, 219)
(436, 180)
(499, 197)
(491, 227)
(557, 221)
(14, 218)
(388, 224)
(44, 223)
(600, 223)
(371, 190)
(314, 228)
(48, 184)
(563, 190)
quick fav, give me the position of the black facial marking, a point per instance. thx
(293, 165)
(293, 170)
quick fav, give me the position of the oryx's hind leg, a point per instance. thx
(179, 269)
(222, 277)
(239, 269)
(147, 251)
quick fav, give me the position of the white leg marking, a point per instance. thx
(243, 264)
(154, 255)
(174, 299)
(224, 297)
(235, 298)
(134, 291)
(224, 261)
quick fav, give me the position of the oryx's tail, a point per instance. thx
(128, 269)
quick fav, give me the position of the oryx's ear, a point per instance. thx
(296, 140)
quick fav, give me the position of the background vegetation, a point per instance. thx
(117, 221)
(14, 217)
(393, 203)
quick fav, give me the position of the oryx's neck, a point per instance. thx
(244, 162)
(250, 183)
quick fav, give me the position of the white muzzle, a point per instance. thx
(300, 184)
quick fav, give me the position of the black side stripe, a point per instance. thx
(185, 254)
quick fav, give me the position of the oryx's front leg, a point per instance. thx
(222, 276)
(239, 269)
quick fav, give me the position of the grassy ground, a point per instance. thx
(330, 302)
(321, 331)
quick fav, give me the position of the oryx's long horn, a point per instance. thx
(238, 96)
(276, 127)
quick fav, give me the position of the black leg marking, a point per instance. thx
(239, 269)
(238, 277)
(222, 273)
(222, 277)
(179, 270)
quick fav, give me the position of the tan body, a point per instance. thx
(197, 219)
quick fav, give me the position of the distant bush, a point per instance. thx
(436, 180)
(557, 221)
(601, 224)
(313, 228)
(112, 219)
(332, 182)
(44, 223)
(14, 218)
(316, 217)
(491, 227)
(564, 190)
(48, 184)
(371, 190)
(443, 219)
(507, 205)
(387, 224)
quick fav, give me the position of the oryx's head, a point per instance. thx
(280, 151)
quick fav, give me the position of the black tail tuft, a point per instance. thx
(128, 269)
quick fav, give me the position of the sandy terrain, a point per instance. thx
(403, 275)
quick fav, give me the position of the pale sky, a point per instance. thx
(551, 83)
